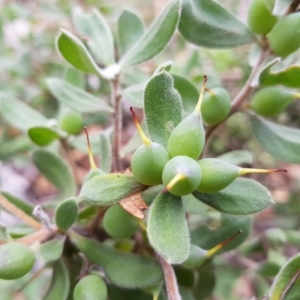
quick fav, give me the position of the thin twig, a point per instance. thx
(39, 236)
(14, 210)
(170, 279)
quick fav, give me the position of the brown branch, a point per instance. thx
(39, 236)
(170, 279)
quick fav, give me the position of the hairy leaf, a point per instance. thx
(51, 250)
(66, 214)
(43, 135)
(237, 157)
(135, 95)
(75, 77)
(105, 153)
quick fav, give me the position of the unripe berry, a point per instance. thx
(118, 223)
(260, 19)
(148, 160)
(181, 175)
(284, 38)
(215, 106)
(271, 101)
(217, 174)
(71, 122)
(188, 137)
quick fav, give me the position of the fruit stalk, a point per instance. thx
(90, 153)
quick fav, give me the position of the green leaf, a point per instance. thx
(207, 238)
(20, 203)
(19, 114)
(135, 95)
(100, 40)
(156, 37)
(188, 92)
(167, 228)
(165, 66)
(109, 188)
(75, 77)
(130, 30)
(51, 250)
(237, 157)
(206, 23)
(56, 171)
(75, 53)
(163, 108)
(277, 7)
(288, 77)
(117, 293)
(105, 153)
(43, 136)
(206, 281)
(140, 271)
(233, 199)
(76, 98)
(287, 275)
(66, 214)
(280, 141)
(60, 283)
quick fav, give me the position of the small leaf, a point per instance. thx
(75, 53)
(283, 281)
(75, 77)
(55, 170)
(280, 141)
(43, 135)
(105, 153)
(20, 203)
(163, 108)
(140, 271)
(60, 282)
(76, 98)
(156, 37)
(130, 30)
(99, 37)
(66, 214)
(109, 188)
(135, 205)
(135, 95)
(19, 114)
(237, 157)
(167, 228)
(288, 77)
(165, 66)
(206, 23)
(207, 238)
(233, 199)
(51, 250)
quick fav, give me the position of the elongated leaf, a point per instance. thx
(167, 228)
(19, 114)
(43, 135)
(75, 53)
(140, 271)
(163, 108)
(206, 23)
(237, 157)
(233, 199)
(100, 40)
(130, 30)
(135, 95)
(288, 77)
(60, 283)
(109, 188)
(156, 37)
(105, 153)
(75, 98)
(117, 293)
(75, 77)
(51, 250)
(280, 141)
(55, 170)
(20, 203)
(287, 275)
(66, 214)
(207, 238)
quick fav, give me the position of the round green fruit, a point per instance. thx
(118, 223)
(271, 101)
(284, 38)
(260, 19)
(16, 260)
(148, 162)
(181, 175)
(71, 122)
(215, 106)
(90, 287)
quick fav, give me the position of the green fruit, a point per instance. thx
(118, 223)
(16, 260)
(196, 257)
(284, 38)
(181, 175)
(216, 106)
(71, 122)
(90, 287)
(271, 101)
(260, 19)
(148, 162)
